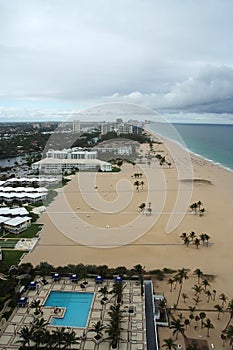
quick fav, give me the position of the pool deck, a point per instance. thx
(133, 334)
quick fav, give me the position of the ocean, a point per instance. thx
(211, 141)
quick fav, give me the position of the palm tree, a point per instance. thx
(199, 274)
(209, 325)
(202, 316)
(171, 281)
(35, 304)
(70, 339)
(184, 296)
(201, 211)
(142, 184)
(104, 292)
(197, 319)
(98, 328)
(224, 298)
(207, 237)
(181, 275)
(214, 292)
(177, 327)
(202, 238)
(137, 184)
(197, 288)
(117, 291)
(197, 242)
(186, 323)
(186, 241)
(170, 344)
(219, 308)
(26, 334)
(224, 338)
(194, 207)
(230, 309)
(197, 299)
(192, 235)
(205, 283)
(59, 335)
(199, 203)
(228, 332)
(142, 206)
(208, 294)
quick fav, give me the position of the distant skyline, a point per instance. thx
(60, 57)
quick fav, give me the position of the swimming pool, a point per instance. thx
(77, 304)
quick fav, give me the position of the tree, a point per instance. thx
(59, 336)
(192, 235)
(137, 184)
(199, 274)
(201, 211)
(197, 299)
(197, 289)
(186, 241)
(205, 283)
(26, 334)
(186, 323)
(193, 207)
(170, 344)
(202, 316)
(70, 338)
(178, 327)
(170, 281)
(98, 328)
(142, 206)
(219, 308)
(228, 332)
(230, 309)
(184, 296)
(181, 275)
(208, 294)
(197, 242)
(104, 292)
(117, 291)
(35, 304)
(113, 328)
(208, 325)
(224, 298)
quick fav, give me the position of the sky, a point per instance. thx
(61, 56)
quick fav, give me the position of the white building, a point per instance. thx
(72, 159)
(76, 126)
(71, 153)
(58, 166)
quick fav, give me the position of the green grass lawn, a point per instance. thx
(29, 233)
(9, 243)
(11, 257)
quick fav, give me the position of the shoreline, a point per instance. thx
(192, 153)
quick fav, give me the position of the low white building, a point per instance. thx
(71, 153)
(58, 166)
(17, 224)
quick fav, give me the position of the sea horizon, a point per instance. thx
(201, 139)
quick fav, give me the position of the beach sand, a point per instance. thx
(104, 225)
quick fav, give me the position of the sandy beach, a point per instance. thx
(104, 225)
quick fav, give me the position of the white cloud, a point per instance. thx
(138, 51)
(211, 89)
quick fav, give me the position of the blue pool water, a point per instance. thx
(78, 306)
